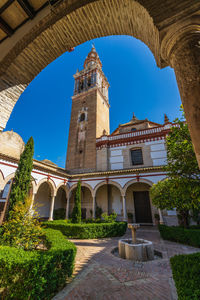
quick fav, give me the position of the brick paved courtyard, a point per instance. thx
(100, 275)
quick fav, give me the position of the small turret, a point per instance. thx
(134, 117)
(166, 119)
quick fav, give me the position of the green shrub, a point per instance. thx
(109, 218)
(59, 214)
(22, 230)
(194, 227)
(22, 180)
(180, 235)
(88, 231)
(76, 213)
(36, 274)
(186, 274)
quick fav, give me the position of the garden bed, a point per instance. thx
(36, 274)
(186, 274)
(181, 235)
(88, 230)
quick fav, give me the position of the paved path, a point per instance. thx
(100, 275)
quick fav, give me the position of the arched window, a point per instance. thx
(81, 85)
(82, 117)
(89, 81)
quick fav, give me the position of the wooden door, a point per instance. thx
(142, 207)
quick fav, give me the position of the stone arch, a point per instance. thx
(64, 187)
(142, 180)
(138, 201)
(82, 184)
(108, 196)
(1, 175)
(60, 203)
(1, 180)
(50, 183)
(86, 199)
(109, 182)
(9, 177)
(45, 191)
(68, 28)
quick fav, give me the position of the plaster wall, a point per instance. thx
(43, 200)
(60, 200)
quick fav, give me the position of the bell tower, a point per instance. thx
(89, 115)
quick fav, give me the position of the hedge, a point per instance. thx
(186, 274)
(36, 274)
(180, 235)
(88, 231)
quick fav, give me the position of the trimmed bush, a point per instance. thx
(22, 180)
(88, 231)
(194, 227)
(36, 274)
(180, 235)
(186, 274)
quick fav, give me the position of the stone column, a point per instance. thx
(67, 207)
(93, 206)
(161, 217)
(32, 200)
(52, 208)
(182, 52)
(124, 208)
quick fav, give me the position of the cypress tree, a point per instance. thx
(76, 213)
(22, 180)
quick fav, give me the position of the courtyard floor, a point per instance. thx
(100, 275)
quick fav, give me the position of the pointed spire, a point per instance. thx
(134, 117)
(166, 119)
(93, 48)
(92, 58)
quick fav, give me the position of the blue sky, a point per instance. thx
(136, 85)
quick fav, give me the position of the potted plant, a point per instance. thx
(130, 217)
(157, 219)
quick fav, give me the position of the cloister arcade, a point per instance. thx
(114, 193)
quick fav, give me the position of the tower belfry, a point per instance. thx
(89, 115)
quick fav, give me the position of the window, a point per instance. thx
(89, 81)
(82, 117)
(136, 157)
(133, 129)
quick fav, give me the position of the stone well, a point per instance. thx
(141, 251)
(135, 249)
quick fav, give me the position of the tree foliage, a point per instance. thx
(181, 159)
(181, 189)
(22, 230)
(76, 213)
(22, 180)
